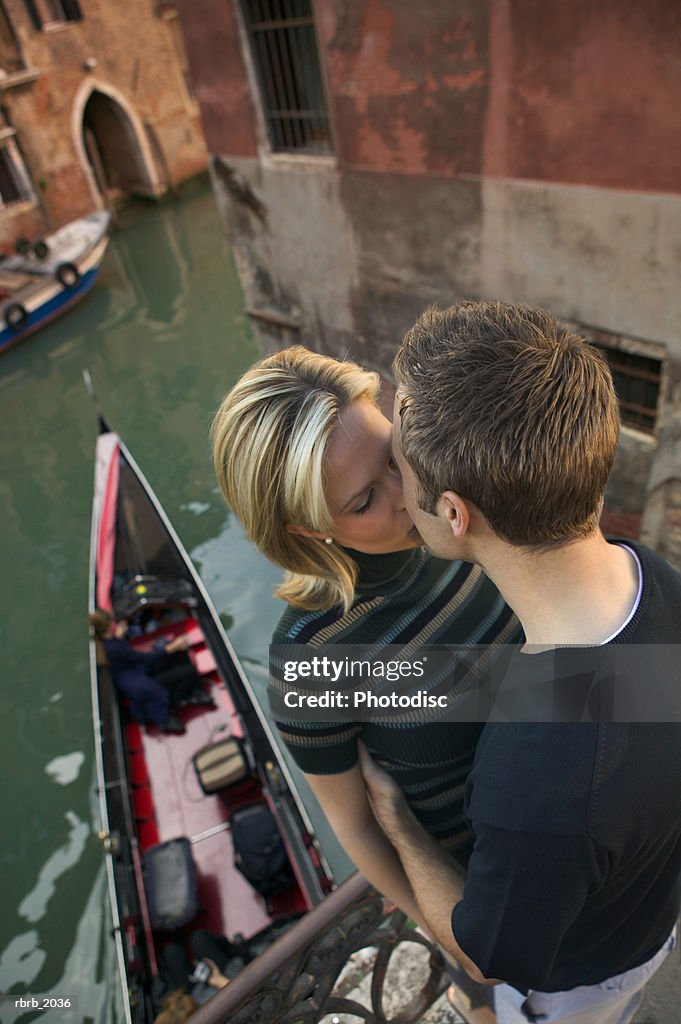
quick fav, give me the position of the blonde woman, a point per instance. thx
(303, 456)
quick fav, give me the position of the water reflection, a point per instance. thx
(34, 906)
(226, 558)
(21, 961)
(88, 977)
(65, 769)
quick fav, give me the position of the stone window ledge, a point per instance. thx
(14, 78)
(59, 26)
(12, 209)
(299, 161)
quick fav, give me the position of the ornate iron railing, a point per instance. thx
(296, 980)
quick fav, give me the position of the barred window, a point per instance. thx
(284, 48)
(11, 57)
(637, 382)
(51, 12)
(15, 186)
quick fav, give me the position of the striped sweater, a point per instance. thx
(409, 599)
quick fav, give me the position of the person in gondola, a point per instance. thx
(154, 683)
(178, 1007)
(303, 456)
(215, 962)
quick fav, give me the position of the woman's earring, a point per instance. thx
(328, 540)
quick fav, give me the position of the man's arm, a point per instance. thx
(345, 802)
(436, 880)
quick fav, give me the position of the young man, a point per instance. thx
(505, 430)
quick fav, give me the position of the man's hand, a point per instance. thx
(387, 799)
(180, 643)
(435, 879)
(216, 978)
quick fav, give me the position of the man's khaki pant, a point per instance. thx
(614, 1001)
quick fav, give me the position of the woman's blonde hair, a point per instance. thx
(270, 438)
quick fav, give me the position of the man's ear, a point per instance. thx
(303, 531)
(457, 513)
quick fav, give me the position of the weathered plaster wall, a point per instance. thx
(336, 252)
(293, 245)
(606, 257)
(417, 241)
(628, 478)
(218, 73)
(357, 249)
(661, 526)
(573, 93)
(407, 83)
(585, 93)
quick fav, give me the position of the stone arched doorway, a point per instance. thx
(115, 149)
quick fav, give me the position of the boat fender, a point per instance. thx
(67, 274)
(41, 250)
(15, 315)
(22, 247)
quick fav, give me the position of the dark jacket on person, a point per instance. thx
(130, 671)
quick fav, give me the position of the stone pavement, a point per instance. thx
(662, 1003)
(406, 974)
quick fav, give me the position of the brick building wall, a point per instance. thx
(135, 58)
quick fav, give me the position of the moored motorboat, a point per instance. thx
(42, 281)
(170, 804)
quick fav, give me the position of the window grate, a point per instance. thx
(284, 49)
(637, 382)
(14, 186)
(52, 12)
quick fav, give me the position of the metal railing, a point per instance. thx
(295, 979)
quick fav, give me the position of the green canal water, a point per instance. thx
(164, 334)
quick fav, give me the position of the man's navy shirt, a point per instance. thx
(576, 868)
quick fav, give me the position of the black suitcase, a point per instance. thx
(170, 882)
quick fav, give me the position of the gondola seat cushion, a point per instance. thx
(170, 878)
(221, 765)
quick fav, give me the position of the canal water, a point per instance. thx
(164, 334)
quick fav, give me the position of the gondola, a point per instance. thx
(166, 822)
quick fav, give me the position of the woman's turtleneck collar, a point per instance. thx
(383, 573)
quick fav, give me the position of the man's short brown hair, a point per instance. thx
(504, 405)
